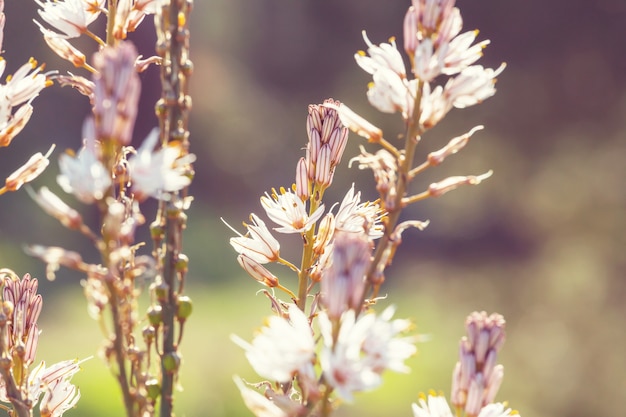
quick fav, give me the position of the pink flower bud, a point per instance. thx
(455, 145)
(438, 189)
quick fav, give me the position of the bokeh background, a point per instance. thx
(542, 242)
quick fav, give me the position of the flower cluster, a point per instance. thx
(476, 377)
(19, 384)
(313, 357)
(356, 346)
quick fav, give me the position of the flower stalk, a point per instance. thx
(347, 250)
(171, 21)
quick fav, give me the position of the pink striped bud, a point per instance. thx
(257, 271)
(438, 189)
(302, 180)
(455, 145)
(476, 377)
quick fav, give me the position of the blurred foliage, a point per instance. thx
(542, 242)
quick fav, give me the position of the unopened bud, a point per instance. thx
(182, 263)
(171, 362)
(257, 271)
(155, 315)
(161, 291)
(55, 207)
(153, 389)
(410, 29)
(455, 145)
(438, 189)
(184, 307)
(156, 231)
(148, 332)
(28, 172)
(302, 180)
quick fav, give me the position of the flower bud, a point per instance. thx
(155, 315)
(184, 307)
(153, 389)
(182, 263)
(171, 362)
(438, 189)
(257, 271)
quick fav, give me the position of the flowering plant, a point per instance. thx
(115, 177)
(313, 356)
(325, 341)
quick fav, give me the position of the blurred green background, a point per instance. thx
(542, 242)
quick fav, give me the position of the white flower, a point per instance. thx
(354, 216)
(434, 106)
(383, 348)
(473, 85)
(460, 53)
(59, 395)
(25, 84)
(341, 360)
(497, 410)
(84, 175)
(437, 406)
(258, 244)
(385, 55)
(434, 406)
(154, 172)
(21, 88)
(71, 17)
(428, 61)
(389, 93)
(363, 349)
(282, 348)
(289, 211)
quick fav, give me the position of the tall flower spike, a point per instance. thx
(476, 377)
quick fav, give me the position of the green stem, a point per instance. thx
(173, 231)
(112, 7)
(307, 251)
(118, 348)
